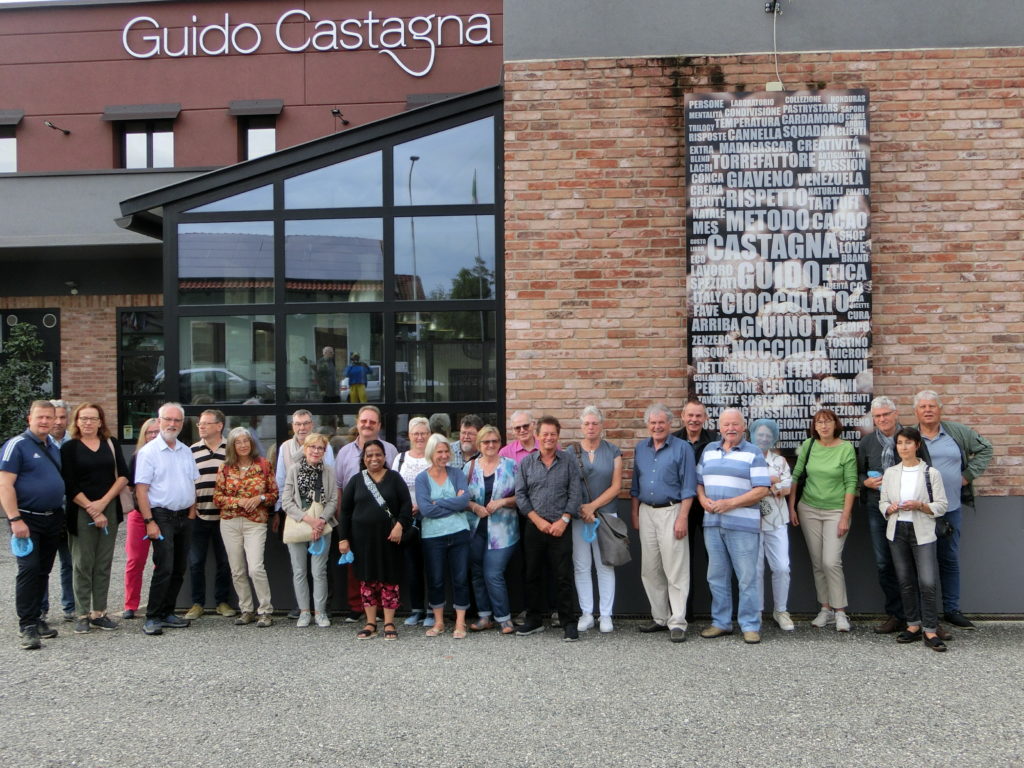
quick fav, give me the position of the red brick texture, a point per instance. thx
(595, 231)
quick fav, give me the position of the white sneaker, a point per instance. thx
(825, 617)
(842, 622)
(606, 624)
(783, 620)
(586, 622)
(322, 620)
(304, 618)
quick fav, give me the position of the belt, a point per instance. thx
(662, 505)
(172, 511)
(45, 513)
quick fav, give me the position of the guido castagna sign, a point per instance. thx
(144, 37)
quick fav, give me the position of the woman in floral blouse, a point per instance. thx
(245, 494)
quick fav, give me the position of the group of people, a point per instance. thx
(404, 523)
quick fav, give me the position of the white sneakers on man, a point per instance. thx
(825, 617)
(842, 622)
(783, 620)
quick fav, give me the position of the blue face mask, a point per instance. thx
(317, 547)
(21, 547)
(590, 530)
(347, 558)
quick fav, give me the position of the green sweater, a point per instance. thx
(828, 473)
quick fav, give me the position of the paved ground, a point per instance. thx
(220, 695)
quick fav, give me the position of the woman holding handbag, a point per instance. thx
(245, 494)
(309, 499)
(600, 465)
(494, 530)
(95, 474)
(375, 509)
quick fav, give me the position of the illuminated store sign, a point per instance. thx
(144, 37)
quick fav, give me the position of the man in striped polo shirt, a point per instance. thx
(732, 478)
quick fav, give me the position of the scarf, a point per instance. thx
(309, 479)
(888, 448)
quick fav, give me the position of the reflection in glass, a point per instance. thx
(334, 260)
(444, 257)
(445, 356)
(355, 183)
(450, 418)
(217, 364)
(318, 375)
(259, 199)
(262, 427)
(453, 167)
(226, 262)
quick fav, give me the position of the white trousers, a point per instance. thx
(664, 565)
(584, 555)
(775, 549)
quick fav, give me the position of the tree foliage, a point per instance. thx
(22, 376)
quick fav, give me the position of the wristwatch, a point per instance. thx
(147, 522)
(566, 519)
(263, 498)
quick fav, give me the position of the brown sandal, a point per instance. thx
(370, 630)
(482, 624)
(390, 634)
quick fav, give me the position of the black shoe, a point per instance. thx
(45, 630)
(906, 636)
(128, 613)
(652, 627)
(82, 626)
(529, 628)
(935, 643)
(29, 638)
(153, 627)
(955, 618)
(103, 622)
(570, 634)
(294, 614)
(677, 635)
(170, 621)
(353, 616)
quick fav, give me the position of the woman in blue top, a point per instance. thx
(495, 530)
(443, 498)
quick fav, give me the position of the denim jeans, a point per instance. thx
(34, 568)
(451, 550)
(553, 555)
(170, 559)
(67, 586)
(205, 532)
(949, 562)
(736, 552)
(915, 569)
(412, 573)
(883, 559)
(488, 571)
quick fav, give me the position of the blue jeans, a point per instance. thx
(170, 559)
(67, 588)
(451, 550)
(488, 571)
(205, 532)
(915, 569)
(728, 552)
(883, 558)
(949, 562)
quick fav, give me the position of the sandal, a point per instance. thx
(370, 630)
(459, 633)
(435, 631)
(482, 624)
(390, 634)
(507, 627)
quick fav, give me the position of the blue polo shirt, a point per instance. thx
(39, 485)
(666, 476)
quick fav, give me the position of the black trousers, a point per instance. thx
(549, 559)
(170, 561)
(34, 569)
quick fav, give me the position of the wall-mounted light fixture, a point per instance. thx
(49, 124)
(339, 119)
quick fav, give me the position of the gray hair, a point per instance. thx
(592, 410)
(527, 414)
(300, 413)
(927, 394)
(436, 441)
(883, 402)
(62, 404)
(165, 406)
(661, 408)
(737, 411)
(419, 421)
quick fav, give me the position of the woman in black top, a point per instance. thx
(94, 474)
(373, 534)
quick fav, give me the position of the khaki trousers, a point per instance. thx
(664, 565)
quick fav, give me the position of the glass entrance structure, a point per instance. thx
(362, 267)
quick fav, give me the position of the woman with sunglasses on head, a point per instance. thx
(494, 530)
(826, 465)
(94, 473)
(375, 508)
(136, 542)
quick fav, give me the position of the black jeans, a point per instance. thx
(170, 560)
(34, 569)
(916, 568)
(553, 555)
(206, 533)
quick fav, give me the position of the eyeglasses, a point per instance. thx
(89, 419)
(520, 427)
(316, 448)
(152, 432)
(490, 442)
(883, 415)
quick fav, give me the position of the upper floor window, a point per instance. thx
(143, 134)
(9, 119)
(257, 126)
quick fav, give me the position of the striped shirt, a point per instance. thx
(728, 474)
(207, 462)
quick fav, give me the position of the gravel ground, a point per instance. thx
(217, 695)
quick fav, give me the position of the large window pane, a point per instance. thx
(259, 199)
(334, 260)
(444, 257)
(453, 167)
(441, 356)
(216, 360)
(355, 183)
(318, 375)
(444, 421)
(226, 262)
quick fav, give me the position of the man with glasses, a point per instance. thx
(877, 452)
(526, 440)
(208, 453)
(464, 449)
(165, 493)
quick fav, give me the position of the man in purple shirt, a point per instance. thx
(525, 443)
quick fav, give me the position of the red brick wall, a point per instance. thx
(88, 335)
(594, 231)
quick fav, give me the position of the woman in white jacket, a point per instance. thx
(912, 497)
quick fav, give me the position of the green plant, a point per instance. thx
(22, 376)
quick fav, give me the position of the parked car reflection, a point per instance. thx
(218, 385)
